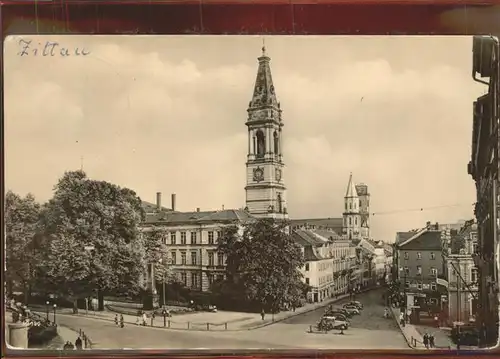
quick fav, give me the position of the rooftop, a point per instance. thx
(174, 218)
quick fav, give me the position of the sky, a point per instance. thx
(167, 114)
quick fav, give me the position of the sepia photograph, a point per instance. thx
(251, 192)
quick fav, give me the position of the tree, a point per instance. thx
(157, 254)
(94, 243)
(264, 262)
(21, 219)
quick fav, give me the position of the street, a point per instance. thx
(369, 331)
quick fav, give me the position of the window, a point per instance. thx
(173, 238)
(433, 286)
(475, 247)
(433, 256)
(219, 235)
(434, 271)
(220, 259)
(407, 270)
(173, 255)
(194, 280)
(307, 267)
(210, 237)
(184, 278)
(193, 237)
(473, 274)
(419, 255)
(194, 258)
(307, 280)
(165, 239)
(183, 237)
(211, 261)
(183, 258)
(419, 286)
(419, 270)
(407, 284)
(406, 255)
(350, 221)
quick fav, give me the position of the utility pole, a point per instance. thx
(459, 302)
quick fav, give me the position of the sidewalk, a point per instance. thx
(442, 338)
(411, 334)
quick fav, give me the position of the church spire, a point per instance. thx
(264, 93)
(351, 188)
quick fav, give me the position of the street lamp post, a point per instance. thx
(55, 306)
(88, 249)
(47, 309)
(404, 287)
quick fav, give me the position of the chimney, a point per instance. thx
(437, 226)
(158, 201)
(428, 224)
(173, 201)
(197, 209)
(222, 207)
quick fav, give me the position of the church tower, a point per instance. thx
(364, 209)
(352, 217)
(265, 189)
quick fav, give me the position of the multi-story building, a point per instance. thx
(420, 264)
(365, 253)
(191, 238)
(462, 275)
(483, 168)
(330, 263)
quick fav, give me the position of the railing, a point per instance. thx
(414, 341)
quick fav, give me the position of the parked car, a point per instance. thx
(334, 323)
(355, 303)
(352, 309)
(332, 311)
(339, 316)
(469, 335)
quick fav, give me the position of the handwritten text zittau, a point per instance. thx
(49, 48)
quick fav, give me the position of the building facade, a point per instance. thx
(483, 167)
(330, 263)
(191, 239)
(420, 264)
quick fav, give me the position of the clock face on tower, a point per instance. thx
(258, 174)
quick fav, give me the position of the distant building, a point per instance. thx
(330, 260)
(462, 274)
(420, 266)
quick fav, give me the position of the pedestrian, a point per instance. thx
(402, 319)
(144, 319)
(262, 314)
(122, 321)
(432, 344)
(116, 319)
(137, 320)
(426, 341)
(78, 343)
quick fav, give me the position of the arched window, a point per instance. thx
(350, 204)
(280, 203)
(350, 221)
(356, 221)
(276, 143)
(261, 144)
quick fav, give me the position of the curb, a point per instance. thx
(408, 340)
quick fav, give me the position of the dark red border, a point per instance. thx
(365, 17)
